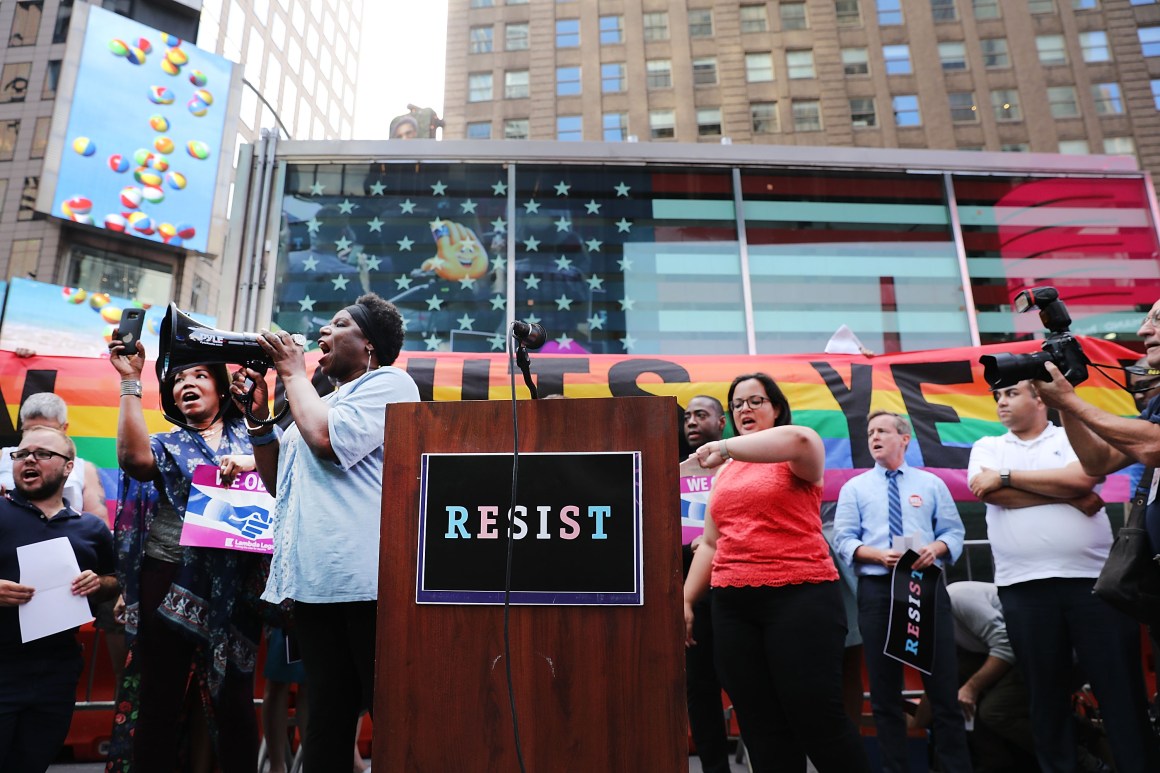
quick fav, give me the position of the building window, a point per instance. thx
(708, 121)
(1005, 103)
(764, 117)
(753, 18)
(986, 9)
(658, 73)
(889, 12)
(862, 113)
(481, 3)
(995, 53)
(1141, 2)
(952, 56)
(28, 199)
(25, 23)
(9, 133)
(705, 71)
(567, 33)
(567, 81)
(479, 87)
(849, 14)
(14, 81)
(963, 107)
(569, 128)
(515, 129)
(897, 59)
(758, 68)
(1074, 147)
(25, 258)
(793, 16)
(807, 115)
(1085, 5)
(1062, 101)
(611, 30)
(906, 111)
(943, 10)
(480, 40)
(51, 79)
(479, 131)
(612, 78)
(662, 124)
(1107, 98)
(40, 136)
(1095, 46)
(1156, 93)
(1149, 40)
(799, 64)
(1041, 6)
(700, 23)
(855, 61)
(63, 17)
(515, 84)
(615, 127)
(656, 26)
(1119, 146)
(516, 37)
(1051, 48)
(1015, 147)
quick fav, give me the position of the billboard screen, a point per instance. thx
(144, 139)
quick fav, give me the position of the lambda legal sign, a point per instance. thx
(576, 529)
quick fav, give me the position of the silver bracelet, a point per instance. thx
(723, 450)
(131, 388)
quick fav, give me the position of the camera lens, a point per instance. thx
(1003, 370)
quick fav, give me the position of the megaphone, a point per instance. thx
(185, 342)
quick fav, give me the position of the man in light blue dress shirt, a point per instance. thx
(862, 536)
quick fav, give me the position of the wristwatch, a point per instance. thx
(1004, 477)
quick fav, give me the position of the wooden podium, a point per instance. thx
(597, 688)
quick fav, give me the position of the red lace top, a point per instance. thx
(769, 527)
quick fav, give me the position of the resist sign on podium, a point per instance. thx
(576, 529)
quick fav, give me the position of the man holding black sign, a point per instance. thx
(1050, 537)
(875, 509)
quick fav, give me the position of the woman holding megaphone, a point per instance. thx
(326, 472)
(191, 613)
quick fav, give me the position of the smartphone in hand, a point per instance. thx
(130, 327)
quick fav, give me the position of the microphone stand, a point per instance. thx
(524, 362)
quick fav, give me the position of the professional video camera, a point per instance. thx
(1061, 348)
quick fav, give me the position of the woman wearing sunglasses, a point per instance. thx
(779, 626)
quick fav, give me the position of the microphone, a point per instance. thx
(530, 335)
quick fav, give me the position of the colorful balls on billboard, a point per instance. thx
(186, 231)
(167, 231)
(141, 223)
(108, 334)
(84, 146)
(141, 156)
(118, 163)
(147, 176)
(111, 314)
(163, 145)
(204, 96)
(135, 55)
(159, 95)
(176, 180)
(116, 223)
(130, 197)
(145, 45)
(170, 68)
(170, 40)
(77, 205)
(158, 122)
(198, 149)
(178, 57)
(118, 47)
(153, 194)
(198, 78)
(73, 295)
(159, 164)
(98, 301)
(152, 324)
(197, 107)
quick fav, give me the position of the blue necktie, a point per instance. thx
(894, 500)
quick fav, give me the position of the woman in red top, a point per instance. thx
(778, 622)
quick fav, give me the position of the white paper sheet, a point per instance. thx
(50, 567)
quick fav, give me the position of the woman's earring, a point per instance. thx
(370, 353)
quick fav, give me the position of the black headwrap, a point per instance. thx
(361, 316)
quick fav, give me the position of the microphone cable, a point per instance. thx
(507, 584)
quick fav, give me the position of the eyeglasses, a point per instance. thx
(1153, 319)
(39, 454)
(754, 402)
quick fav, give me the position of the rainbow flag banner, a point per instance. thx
(941, 391)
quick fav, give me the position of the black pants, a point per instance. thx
(703, 693)
(36, 708)
(1047, 620)
(779, 655)
(338, 653)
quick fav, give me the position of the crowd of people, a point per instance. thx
(768, 616)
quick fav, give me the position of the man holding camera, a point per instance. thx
(1050, 537)
(1105, 442)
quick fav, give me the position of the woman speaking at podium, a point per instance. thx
(191, 613)
(325, 471)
